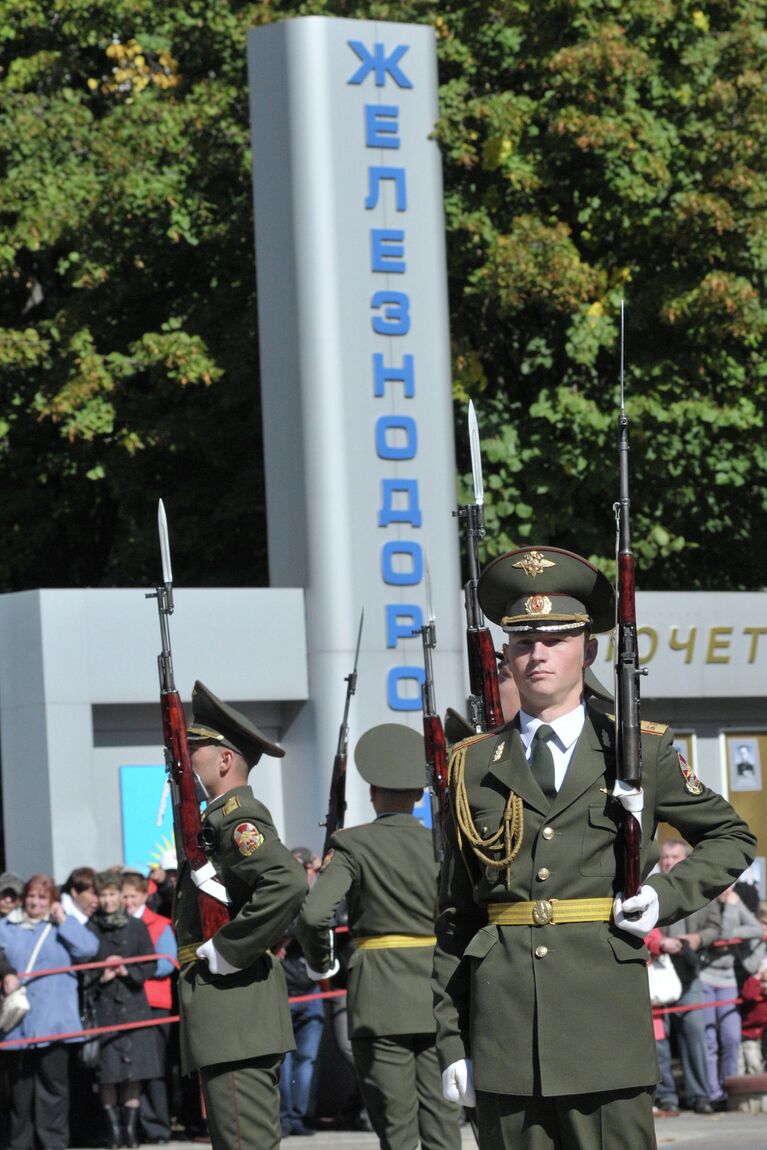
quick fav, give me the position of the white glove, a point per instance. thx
(637, 915)
(458, 1083)
(317, 975)
(217, 964)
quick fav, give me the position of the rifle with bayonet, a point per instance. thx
(484, 699)
(334, 820)
(433, 732)
(187, 824)
(628, 729)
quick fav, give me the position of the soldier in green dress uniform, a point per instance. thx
(540, 967)
(387, 873)
(235, 1020)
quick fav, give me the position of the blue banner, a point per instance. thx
(147, 816)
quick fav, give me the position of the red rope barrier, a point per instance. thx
(39, 1039)
(657, 1011)
(319, 994)
(115, 960)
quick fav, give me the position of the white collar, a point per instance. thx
(567, 727)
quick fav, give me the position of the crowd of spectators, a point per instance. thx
(125, 1089)
(716, 1026)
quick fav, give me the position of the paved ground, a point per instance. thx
(687, 1132)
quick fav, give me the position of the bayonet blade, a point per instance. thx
(621, 369)
(359, 640)
(427, 580)
(162, 525)
(476, 457)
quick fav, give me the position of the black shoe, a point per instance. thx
(667, 1105)
(298, 1127)
(130, 1118)
(114, 1138)
(702, 1106)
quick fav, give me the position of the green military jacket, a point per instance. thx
(387, 872)
(227, 1018)
(564, 1009)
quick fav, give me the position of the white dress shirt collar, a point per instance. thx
(567, 727)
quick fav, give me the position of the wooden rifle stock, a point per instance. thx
(435, 746)
(186, 808)
(483, 676)
(436, 771)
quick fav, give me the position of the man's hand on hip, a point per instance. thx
(217, 964)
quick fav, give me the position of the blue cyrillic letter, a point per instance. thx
(383, 375)
(379, 63)
(413, 562)
(400, 675)
(404, 491)
(385, 448)
(401, 621)
(396, 317)
(387, 247)
(377, 177)
(381, 126)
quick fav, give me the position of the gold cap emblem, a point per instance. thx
(538, 605)
(534, 563)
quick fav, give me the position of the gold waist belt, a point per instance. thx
(554, 911)
(188, 953)
(389, 941)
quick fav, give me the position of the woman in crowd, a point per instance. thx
(127, 1056)
(719, 975)
(38, 935)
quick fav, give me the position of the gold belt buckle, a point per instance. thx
(543, 912)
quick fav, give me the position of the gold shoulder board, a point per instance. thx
(470, 739)
(653, 728)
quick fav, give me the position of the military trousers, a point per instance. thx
(242, 1100)
(401, 1085)
(609, 1120)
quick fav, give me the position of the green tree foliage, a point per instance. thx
(128, 354)
(600, 150)
(593, 150)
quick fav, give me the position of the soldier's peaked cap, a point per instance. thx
(217, 722)
(546, 589)
(392, 756)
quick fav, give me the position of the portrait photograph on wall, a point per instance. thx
(745, 768)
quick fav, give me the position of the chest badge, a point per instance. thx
(499, 751)
(247, 838)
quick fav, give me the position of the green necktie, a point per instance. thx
(542, 761)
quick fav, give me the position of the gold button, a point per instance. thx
(544, 873)
(548, 832)
(541, 951)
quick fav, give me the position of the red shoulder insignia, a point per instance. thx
(691, 781)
